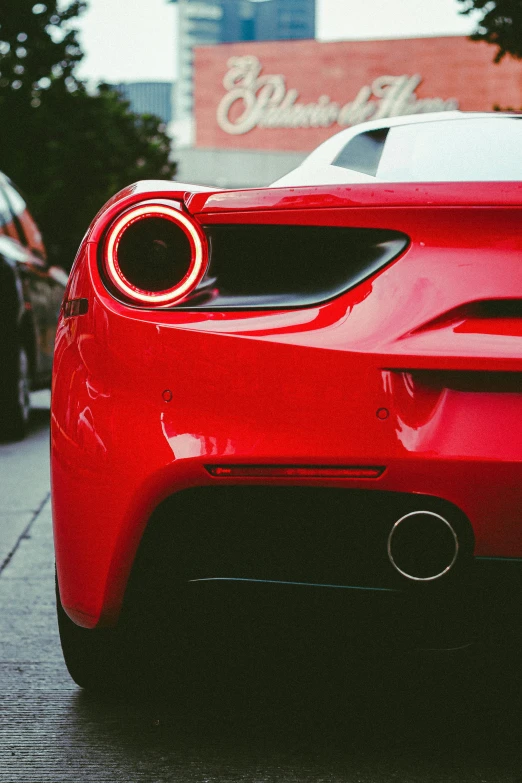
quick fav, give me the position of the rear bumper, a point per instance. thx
(113, 464)
(221, 538)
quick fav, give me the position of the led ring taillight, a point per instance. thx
(155, 254)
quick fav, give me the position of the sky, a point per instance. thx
(134, 40)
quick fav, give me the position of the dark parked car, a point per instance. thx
(31, 293)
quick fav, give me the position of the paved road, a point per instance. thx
(375, 717)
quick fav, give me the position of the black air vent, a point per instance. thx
(265, 267)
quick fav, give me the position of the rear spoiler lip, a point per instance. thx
(381, 194)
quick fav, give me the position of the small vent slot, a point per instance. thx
(470, 380)
(474, 316)
(497, 308)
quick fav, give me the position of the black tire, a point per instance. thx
(15, 401)
(133, 656)
(94, 658)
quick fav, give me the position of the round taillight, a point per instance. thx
(155, 255)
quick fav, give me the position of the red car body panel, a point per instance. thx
(407, 370)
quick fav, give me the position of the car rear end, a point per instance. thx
(332, 402)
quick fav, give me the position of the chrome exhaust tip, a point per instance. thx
(423, 546)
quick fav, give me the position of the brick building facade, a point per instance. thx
(309, 90)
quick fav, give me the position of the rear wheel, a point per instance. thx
(15, 401)
(94, 658)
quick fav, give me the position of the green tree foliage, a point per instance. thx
(500, 24)
(67, 149)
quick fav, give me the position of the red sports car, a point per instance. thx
(315, 386)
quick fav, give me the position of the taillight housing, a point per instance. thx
(154, 254)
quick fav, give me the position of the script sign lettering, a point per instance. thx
(257, 100)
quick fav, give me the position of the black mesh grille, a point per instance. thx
(265, 266)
